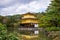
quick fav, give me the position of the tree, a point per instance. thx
(43, 20)
(51, 19)
(53, 11)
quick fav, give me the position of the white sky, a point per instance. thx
(12, 7)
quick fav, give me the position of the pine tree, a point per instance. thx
(53, 11)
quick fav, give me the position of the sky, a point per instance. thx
(13, 7)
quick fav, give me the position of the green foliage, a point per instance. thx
(52, 15)
(12, 37)
(3, 32)
(50, 20)
(54, 11)
(44, 21)
(52, 28)
(4, 35)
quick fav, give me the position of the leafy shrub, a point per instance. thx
(12, 37)
(3, 34)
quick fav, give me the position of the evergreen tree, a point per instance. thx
(53, 12)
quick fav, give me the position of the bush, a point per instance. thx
(3, 34)
(12, 37)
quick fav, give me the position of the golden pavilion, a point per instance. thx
(29, 21)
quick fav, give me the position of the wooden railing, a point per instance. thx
(29, 28)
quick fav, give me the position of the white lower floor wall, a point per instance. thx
(35, 25)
